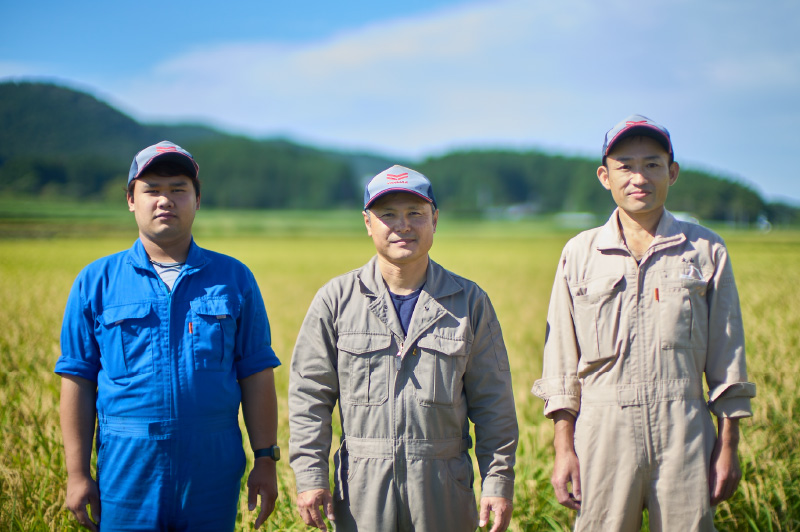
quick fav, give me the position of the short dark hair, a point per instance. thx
(166, 169)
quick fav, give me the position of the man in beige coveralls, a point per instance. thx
(641, 309)
(412, 353)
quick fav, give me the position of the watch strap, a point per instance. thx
(273, 452)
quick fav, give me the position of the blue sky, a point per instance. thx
(420, 77)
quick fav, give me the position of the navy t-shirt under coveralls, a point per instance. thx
(167, 366)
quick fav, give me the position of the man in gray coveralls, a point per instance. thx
(412, 353)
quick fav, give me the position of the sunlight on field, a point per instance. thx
(515, 267)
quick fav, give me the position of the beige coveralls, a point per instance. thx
(626, 349)
(403, 463)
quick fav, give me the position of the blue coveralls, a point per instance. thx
(167, 365)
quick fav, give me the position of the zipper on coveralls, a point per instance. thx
(399, 359)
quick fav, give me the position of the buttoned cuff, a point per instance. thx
(312, 479)
(497, 486)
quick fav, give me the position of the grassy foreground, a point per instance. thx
(514, 263)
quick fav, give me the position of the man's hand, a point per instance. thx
(80, 492)
(725, 473)
(309, 503)
(566, 469)
(502, 509)
(262, 481)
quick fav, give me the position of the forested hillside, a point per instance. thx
(59, 142)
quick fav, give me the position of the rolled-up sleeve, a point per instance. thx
(559, 385)
(729, 392)
(313, 391)
(490, 403)
(254, 351)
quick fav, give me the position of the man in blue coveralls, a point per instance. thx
(160, 344)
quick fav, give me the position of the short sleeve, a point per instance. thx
(80, 353)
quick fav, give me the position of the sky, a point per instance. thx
(419, 78)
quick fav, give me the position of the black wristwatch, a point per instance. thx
(273, 452)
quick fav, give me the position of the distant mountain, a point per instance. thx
(56, 141)
(38, 119)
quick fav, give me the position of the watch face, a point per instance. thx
(273, 452)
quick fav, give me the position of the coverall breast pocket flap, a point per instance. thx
(129, 326)
(359, 343)
(364, 367)
(446, 346)
(596, 290)
(213, 332)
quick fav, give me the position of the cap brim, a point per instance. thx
(398, 189)
(178, 158)
(641, 131)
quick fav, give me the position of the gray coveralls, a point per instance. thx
(405, 403)
(627, 347)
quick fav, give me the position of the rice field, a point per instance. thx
(292, 257)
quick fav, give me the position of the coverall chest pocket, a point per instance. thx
(364, 364)
(683, 314)
(213, 331)
(599, 318)
(440, 370)
(129, 330)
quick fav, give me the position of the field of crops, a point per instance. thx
(292, 257)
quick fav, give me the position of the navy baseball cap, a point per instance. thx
(636, 125)
(398, 179)
(163, 151)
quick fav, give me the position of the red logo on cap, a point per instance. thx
(164, 149)
(397, 178)
(631, 123)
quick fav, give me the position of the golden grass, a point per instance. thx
(516, 271)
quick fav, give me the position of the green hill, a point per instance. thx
(59, 142)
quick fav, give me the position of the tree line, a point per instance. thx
(59, 142)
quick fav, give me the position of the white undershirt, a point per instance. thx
(168, 271)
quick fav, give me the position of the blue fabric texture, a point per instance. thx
(167, 365)
(404, 306)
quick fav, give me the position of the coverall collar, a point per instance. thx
(195, 260)
(438, 283)
(668, 234)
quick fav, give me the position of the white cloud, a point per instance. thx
(468, 73)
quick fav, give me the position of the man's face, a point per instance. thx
(164, 207)
(638, 174)
(401, 225)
